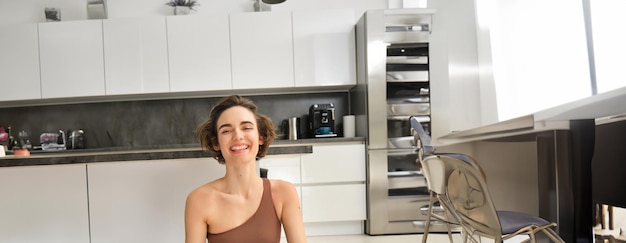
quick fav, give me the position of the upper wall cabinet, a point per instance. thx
(135, 56)
(71, 59)
(292, 51)
(199, 52)
(19, 62)
(262, 50)
(324, 47)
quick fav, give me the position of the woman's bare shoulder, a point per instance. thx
(282, 188)
(204, 192)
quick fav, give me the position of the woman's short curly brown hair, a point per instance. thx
(206, 132)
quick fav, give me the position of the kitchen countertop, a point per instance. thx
(157, 152)
(604, 108)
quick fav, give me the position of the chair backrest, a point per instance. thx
(435, 173)
(433, 168)
(422, 140)
(469, 195)
(434, 176)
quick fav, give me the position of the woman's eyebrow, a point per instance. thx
(224, 125)
(247, 122)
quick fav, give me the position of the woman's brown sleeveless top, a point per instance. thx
(262, 227)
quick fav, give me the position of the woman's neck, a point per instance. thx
(241, 179)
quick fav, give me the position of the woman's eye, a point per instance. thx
(247, 128)
(225, 132)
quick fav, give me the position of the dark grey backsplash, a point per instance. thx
(152, 122)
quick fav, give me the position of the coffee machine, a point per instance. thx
(322, 120)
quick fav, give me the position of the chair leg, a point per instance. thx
(469, 238)
(464, 235)
(426, 229)
(601, 216)
(532, 238)
(449, 232)
(610, 210)
(430, 211)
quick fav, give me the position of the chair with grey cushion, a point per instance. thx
(460, 185)
(468, 192)
(435, 180)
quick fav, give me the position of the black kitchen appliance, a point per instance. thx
(322, 120)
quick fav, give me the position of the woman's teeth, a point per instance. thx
(237, 148)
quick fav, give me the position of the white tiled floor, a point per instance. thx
(416, 238)
(380, 239)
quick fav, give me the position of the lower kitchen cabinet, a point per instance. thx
(331, 184)
(333, 189)
(333, 203)
(285, 168)
(44, 204)
(144, 201)
(334, 163)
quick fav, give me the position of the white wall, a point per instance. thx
(537, 61)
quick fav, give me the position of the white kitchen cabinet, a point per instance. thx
(334, 163)
(324, 47)
(262, 50)
(327, 203)
(144, 201)
(282, 167)
(199, 52)
(19, 62)
(333, 183)
(135, 56)
(71, 58)
(44, 204)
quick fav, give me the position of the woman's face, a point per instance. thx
(238, 135)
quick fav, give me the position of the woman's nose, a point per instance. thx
(237, 134)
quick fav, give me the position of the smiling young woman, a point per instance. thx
(241, 206)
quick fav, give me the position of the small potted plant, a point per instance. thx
(182, 6)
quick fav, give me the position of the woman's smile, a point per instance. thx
(237, 148)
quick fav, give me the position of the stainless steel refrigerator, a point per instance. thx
(393, 84)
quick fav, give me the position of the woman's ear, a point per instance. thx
(261, 140)
(216, 147)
